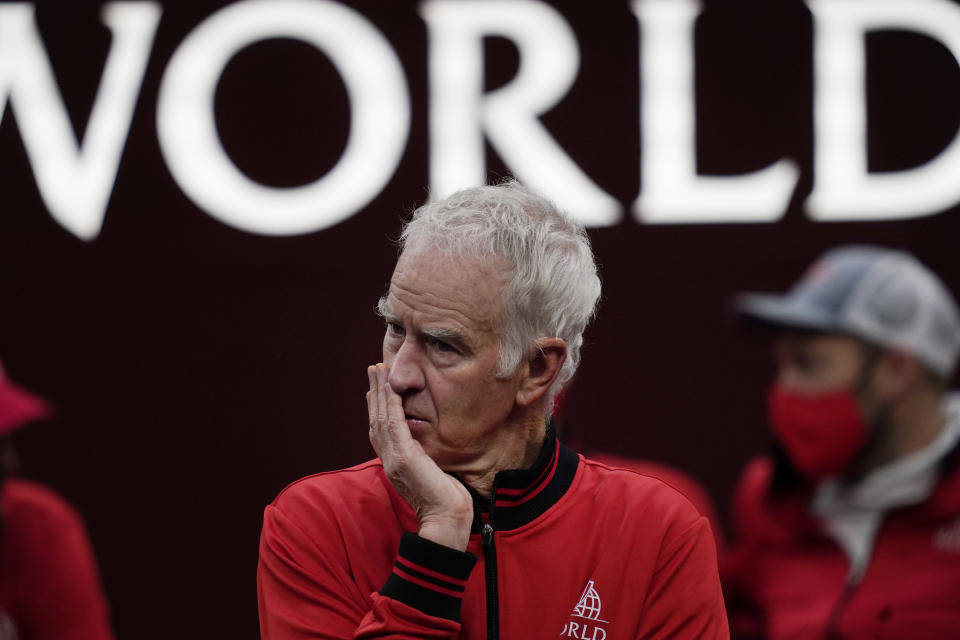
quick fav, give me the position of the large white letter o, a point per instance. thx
(379, 109)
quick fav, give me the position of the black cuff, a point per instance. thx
(429, 576)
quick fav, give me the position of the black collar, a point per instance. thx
(522, 495)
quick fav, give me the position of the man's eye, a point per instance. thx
(443, 347)
(809, 364)
(394, 328)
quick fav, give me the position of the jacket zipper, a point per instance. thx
(490, 569)
(493, 602)
(833, 621)
(854, 576)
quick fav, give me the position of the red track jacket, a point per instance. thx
(569, 549)
(49, 584)
(787, 580)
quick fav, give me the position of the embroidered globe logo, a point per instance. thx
(589, 604)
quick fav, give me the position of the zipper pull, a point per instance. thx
(486, 533)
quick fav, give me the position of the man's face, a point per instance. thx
(442, 347)
(811, 364)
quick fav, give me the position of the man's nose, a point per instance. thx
(406, 373)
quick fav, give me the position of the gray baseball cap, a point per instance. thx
(879, 295)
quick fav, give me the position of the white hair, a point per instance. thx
(554, 286)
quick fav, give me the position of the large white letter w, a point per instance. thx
(75, 181)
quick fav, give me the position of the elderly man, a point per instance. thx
(853, 529)
(474, 521)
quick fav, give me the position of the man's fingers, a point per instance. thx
(372, 376)
(372, 396)
(397, 421)
(389, 433)
(381, 392)
(391, 407)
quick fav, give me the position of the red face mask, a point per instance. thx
(821, 433)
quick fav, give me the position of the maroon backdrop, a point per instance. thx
(196, 369)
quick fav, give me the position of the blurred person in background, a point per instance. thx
(475, 522)
(852, 528)
(49, 583)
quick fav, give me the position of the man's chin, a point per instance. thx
(423, 433)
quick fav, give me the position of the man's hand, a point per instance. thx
(443, 506)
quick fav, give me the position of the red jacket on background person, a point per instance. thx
(49, 584)
(570, 549)
(787, 579)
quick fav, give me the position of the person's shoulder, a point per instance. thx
(350, 486)
(671, 476)
(675, 478)
(753, 491)
(643, 494)
(24, 500)
(761, 513)
(357, 499)
(755, 484)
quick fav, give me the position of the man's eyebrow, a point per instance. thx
(454, 337)
(435, 333)
(444, 334)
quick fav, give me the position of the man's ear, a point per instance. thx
(542, 369)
